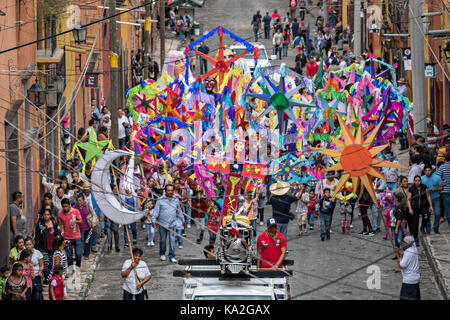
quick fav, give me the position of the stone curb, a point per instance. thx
(91, 271)
(435, 266)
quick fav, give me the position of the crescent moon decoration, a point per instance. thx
(101, 189)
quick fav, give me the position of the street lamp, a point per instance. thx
(2, 13)
(79, 33)
(447, 51)
(36, 94)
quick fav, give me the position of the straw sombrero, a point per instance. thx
(280, 188)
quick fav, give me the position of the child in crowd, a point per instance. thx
(4, 274)
(56, 290)
(398, 220)
(148, 223)
(312, 202)
(325, 205)
(302, 209)
(346, 209)
(213, 221)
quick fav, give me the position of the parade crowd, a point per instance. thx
(70, 223)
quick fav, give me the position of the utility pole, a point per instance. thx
(325, 13)
(114, 75)
(418, 67)
(357, 28)
(147, 37)
(162, 30)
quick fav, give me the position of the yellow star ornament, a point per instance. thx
(357, 158)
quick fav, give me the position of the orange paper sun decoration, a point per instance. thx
(357, 158)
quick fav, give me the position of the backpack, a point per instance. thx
(285, 36)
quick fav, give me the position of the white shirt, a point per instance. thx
(122, 132)
(416, 170)
(37, 255)
(410, 266)
(130, 282)
(301, 206)
(343, 64)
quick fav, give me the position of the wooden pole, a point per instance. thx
(162, 30)
(131, 253)
(114, 77)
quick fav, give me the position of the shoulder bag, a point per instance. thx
(92, 218)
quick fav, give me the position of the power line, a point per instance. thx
(68, 31)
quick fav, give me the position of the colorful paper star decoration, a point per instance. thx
(358, 159)
(170, 103)
(93, 148)
(221, 65)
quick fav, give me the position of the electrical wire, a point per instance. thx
(68, 31)
(428, 43)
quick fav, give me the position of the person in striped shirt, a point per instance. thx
(444, 173)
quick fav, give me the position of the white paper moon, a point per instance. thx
(106, 200)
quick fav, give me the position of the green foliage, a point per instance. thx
(53, 7)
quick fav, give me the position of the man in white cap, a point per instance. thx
(408, 261)
(281, 204)
(271, 247)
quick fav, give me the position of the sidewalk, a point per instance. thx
(77, 287)
(436, 246)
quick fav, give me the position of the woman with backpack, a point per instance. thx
(292, 7)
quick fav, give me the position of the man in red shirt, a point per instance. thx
(271, 247)
(69, 220)
(311, 68)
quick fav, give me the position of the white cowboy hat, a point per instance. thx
(280, 188)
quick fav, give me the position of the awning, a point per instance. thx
(186, 3)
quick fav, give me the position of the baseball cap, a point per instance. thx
(271, 222)
(409, 240)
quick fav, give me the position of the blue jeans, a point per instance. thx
(398, 239)
(376, 218)
(182, 36)
(212, 237)
(311, 220)
(403, 140)
(69, 252)
(324, 219)
(392, 186)
(253, 223)
(86, 246)
(179, 236)
(285, 49)
(122, 142)
(203, 65)
(94, 237)
(150, 232)
(133, 232)
(283, 227)
(255, 32)
(267, 32)
(189, 219)
(163, 232)
(446, 198)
